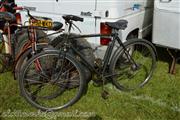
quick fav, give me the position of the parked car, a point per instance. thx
(138, 13)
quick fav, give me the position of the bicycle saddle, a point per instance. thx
(7, 16)
(72, 17)
(120, 24)
(57, 26)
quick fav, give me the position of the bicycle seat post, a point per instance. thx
(114, 32)
(68, 26)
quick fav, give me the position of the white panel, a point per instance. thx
(166, 30)
(172, 5)
(120, 8)
(74, 7)
(40, 5)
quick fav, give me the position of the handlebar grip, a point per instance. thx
(73, 17)
(76, 18)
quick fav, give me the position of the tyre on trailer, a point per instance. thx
(83, 46)
(22, 39)
(23, 55)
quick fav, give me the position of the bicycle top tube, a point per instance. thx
(93, 35)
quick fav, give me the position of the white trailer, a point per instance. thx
(166, 26)
(138, 13)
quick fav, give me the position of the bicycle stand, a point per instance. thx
(175, 59)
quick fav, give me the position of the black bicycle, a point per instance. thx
(56, 79)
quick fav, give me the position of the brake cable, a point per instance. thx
(77, 27)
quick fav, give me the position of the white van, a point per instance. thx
(166, 27)
(138, 13)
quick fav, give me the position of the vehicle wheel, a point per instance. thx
(83, 46)
(128, 76)
(50, 82)
(132, 37)
(80, 44)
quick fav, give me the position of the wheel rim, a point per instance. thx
(130, 76)
(55, 93)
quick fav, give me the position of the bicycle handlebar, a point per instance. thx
(11, 8)
(26, 9)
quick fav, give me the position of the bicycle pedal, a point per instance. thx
(105, 94)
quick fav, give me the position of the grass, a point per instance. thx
(158, 100)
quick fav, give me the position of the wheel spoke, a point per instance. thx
(31, 81)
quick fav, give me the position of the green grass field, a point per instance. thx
(158, 100)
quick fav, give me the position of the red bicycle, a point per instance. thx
(13, 51)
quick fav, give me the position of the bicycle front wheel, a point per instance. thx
(50, 82)
(135, 69)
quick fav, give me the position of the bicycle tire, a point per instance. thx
(72, 61)
(126, 70)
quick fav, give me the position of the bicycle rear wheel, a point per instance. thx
(50, 82)
(127, 75)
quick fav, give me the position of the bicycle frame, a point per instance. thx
(108, 52)
(107, 55)
(32, 39)
(9, 48)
